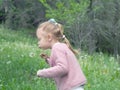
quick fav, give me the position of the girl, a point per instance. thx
(64, 67)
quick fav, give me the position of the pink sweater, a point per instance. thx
(65, 68)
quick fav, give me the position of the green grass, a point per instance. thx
(19, 62)
(102, 71)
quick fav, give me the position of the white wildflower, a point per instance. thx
(8, 62)
(1, 49)
(31, 54)
(105, 66)
(1, 85)
(22, 55)
(8, 56)
(118, 69)
(111, 59)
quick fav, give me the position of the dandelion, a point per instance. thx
(118, 69)
(111, 59)
(8, 62)
(1, 49)
(22, 55)
(31, 54)
(8, 56)
(105, 66)
(85, 56)
(1, 85)
(81, 57)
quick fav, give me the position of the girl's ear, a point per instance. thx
(49, 37)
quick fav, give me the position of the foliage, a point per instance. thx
(1, 2)
(19, 62)
(64, 11)
(89, 24)
(104, 25)
(22, 13)
(101, 70)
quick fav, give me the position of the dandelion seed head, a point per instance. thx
(22, 55)
(8, 56)
(111, 59)
(8, 62)
(118, 69)
(31, 54)
(1, 85)
(1, 49)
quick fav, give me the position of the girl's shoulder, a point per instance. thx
(59, 46)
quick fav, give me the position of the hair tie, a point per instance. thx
(63, 36)
(52, 20)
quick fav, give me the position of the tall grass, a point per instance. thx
(102, 71)
(19, 62)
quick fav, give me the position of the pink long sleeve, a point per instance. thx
(64, 68)
(60, 64)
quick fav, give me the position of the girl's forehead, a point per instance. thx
(40, 32)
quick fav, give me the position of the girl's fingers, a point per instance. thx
(44, 56)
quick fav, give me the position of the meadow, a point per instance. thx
(19, 62)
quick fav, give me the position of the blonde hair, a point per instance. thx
(57, 30)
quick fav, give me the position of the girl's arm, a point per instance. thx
(61, 67)
(56, 71)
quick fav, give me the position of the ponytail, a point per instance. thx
(66, 41)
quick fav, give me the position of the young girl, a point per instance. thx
(64, 67)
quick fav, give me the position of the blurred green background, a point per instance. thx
(93, 26)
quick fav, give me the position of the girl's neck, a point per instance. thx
(53, 43)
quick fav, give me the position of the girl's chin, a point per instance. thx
(39, 46)
(43, 48)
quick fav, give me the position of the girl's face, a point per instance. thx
(43, 39)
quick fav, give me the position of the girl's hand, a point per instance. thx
(44, 56)
(39, 73)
